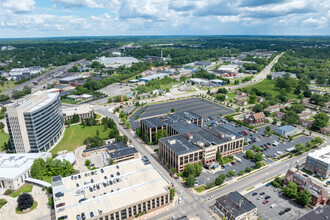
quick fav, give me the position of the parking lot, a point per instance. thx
(266, 212)
(198, 106)
(207, 177)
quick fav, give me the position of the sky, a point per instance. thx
(55, 18)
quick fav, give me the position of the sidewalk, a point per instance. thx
(161, 210)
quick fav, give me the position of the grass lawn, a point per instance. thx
(66, 101)
(74, 136)
(269, 86)
(226, 160)
(200, 188)
(24, 189)
(97, 116)
(4, 137)
(168, 86)
(34, 205)
(47, 179)
(230, 95)
(2, 202)
(8, 85)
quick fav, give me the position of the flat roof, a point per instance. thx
(139, 182)
(123, 152)
(322, 154)
(180, 145)
(155, 76)
(318, 213)
(286, 128)
(76, 110)
(13, 165)
(152, 122)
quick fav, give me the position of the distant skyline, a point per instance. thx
(56, 18)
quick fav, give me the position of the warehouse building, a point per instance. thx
(114, 192)
(36, 123)
(318, 162)
(176, 123)
(155, 76)
(200, 145)
(15, 168)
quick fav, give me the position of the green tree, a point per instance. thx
(291, 189)
(27, 90)
(291, 117)
(87, 162)
(2, 125)
(160, 134)
(110, 99)
(231, 173)
(122, 114)
(300, 148)
(274, 121)
(172, 193)
(38, 169)
(249, 154)
(258, 108)
(198, 168)
(219, 157)
(321, 120)
(252, 98)
(190, 180)
(258, 164)
(248, 169)
(172, 110)
(268, 129)
(189, 169)
(25, 201)
(304, 197)
(220, 179)
(258, 157)
(51, 202)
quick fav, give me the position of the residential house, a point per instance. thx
(254, 118)
(237, 92)
(279, 115)
(306, 123)
(326, 109)
(274, 108)
(319, 194)
(260, 99)
(241, 102)
(304, 115)
(325, 130)
(312, 106)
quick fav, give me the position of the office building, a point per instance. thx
(118, 152)
(318, 162)
(200, 145)
(15, 168)
(36, 123)
(83, 112)
(111, 193)
(115, 62)
(234, 206)
(176, 123)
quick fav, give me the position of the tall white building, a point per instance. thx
(36, 123)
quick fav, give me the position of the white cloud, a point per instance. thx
(80, 3)
(321, 22)
(19, 5)
(226, 19)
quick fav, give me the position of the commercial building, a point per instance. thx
(22, 73)
(254, 118)
(176, 123)
(318, 162)
(200, 145)
(76, 98)
(71, 79)
(231, 68)
(319, 194)
(234, 206)
(83, 111)
(114, 192)
(15, 168)
(115, 62)
(198, 81)
(117, 151)
(36, 123)
(152, 77)
(285, 130)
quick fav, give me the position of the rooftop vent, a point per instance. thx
(171, 142)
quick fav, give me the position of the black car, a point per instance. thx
(102, 171)
(281, 212)
(262, 193)
(105, 177)
(83, 216)
(118, 174)
(287, 210)
(79, 176)
(267, 197)
(81, 200)
(59, 194)
(63, 217)
(111, 175)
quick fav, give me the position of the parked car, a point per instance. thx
(92, 214)
(254, 194)
(180, 200)
(265, 202)
(287, 210)
(268, 184)
(260, 197)
(281, 213)
(273, 206)
(83, 216)
(267, 197)
(262, 193)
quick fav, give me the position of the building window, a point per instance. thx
(134, 210)
(123, 214)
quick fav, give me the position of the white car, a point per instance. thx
(180, 200)
(260, 197)
(273, 206)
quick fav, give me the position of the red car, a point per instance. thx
(265, 202)
(233, 163)
(60, 204)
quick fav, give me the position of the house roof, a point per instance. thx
(259, 115)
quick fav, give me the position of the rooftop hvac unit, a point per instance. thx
(171, 141)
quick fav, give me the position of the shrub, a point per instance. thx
(49, 190)
(248, 169)
(25, 201)
(8, 191)
(51, 202)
